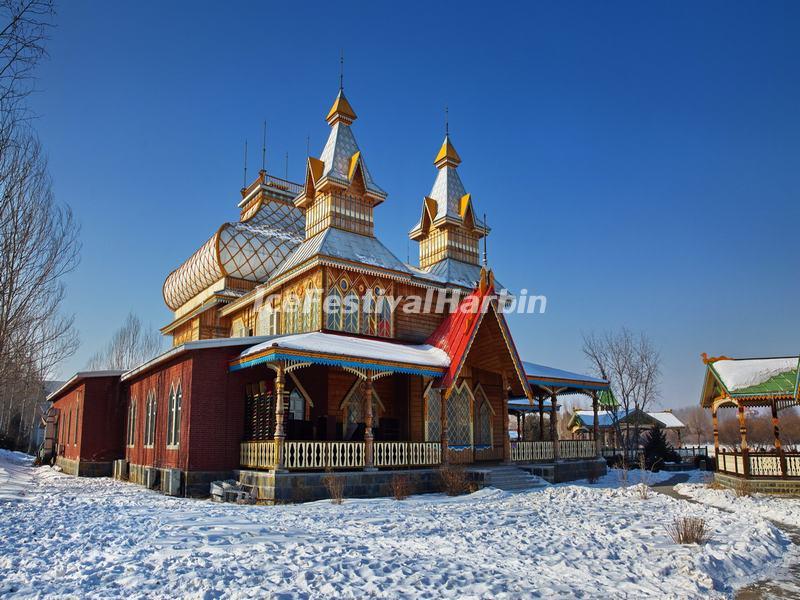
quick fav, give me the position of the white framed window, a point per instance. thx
(131, 436)
(150, 420)
(174, 415)
(297, 405)
(267, 323)
(238, 328)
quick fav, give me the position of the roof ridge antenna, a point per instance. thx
(287, 167)
(341, 70)
(485, 235)
(264, 148)
(446, 121)
(244, 178)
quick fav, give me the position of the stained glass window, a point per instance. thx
(368, 317)
(351, 305)
(354, 411)
(384, 317)
(459, 421)
(333, 307)
(433, 415)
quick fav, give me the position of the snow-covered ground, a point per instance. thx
(97, 537)
(784, 510)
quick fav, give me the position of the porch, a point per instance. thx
(333, 456)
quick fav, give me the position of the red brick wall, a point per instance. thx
(98, 434)
(159, 380)
(212, 412)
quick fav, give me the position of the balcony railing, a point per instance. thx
(258, 455)
(407, 454)
(323, 455)
(577, 448)
(749, 463)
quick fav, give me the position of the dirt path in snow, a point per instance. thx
(788, 586)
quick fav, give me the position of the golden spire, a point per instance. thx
(447, 155)
(341, 111)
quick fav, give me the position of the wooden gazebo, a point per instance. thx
(753, 383)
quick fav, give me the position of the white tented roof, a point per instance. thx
(344, 345)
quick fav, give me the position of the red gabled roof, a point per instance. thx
(455, 334)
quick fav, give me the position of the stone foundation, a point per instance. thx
(762, 486)
(193, 484)
(568, 470)
(284, 488)
(84, 468)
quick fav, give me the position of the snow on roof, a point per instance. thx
(456, 272)
(524, 403)
(667, 418)
(337, 154)
(79, 376)
(605, 418)
(195, 345)
(344, 245)
(754, 375)
(344, 345)
(544, 372)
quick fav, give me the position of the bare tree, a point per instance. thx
(38, 238)
(632, 365)
(697, 421)
(130, 346)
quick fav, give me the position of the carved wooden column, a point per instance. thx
(506, 438)
(443, 418)
(715, 423)
(520, 432)
(598, 448)
(369, 436)
(777, 433)
(554, 426)
(541, 419)
(280, 428)
(743, 437)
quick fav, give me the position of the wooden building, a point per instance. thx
(750, 384)
(302, 343)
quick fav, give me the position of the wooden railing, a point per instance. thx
(407, 454)
(531, 451)
(577, 448)
(750, 463)
(258, 455)
(691, 451)
(488, 453)
(323, 455)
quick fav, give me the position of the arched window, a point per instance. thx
(433, 414)
(483, 430)
(310, 310)
(131, 437)
(297, 405)
(150, 420)
(351, 309)
(333, 309)
(483, 418)
(459, 416)
(368, 317)
(174, 415)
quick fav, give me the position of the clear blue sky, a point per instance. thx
(639, 162)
